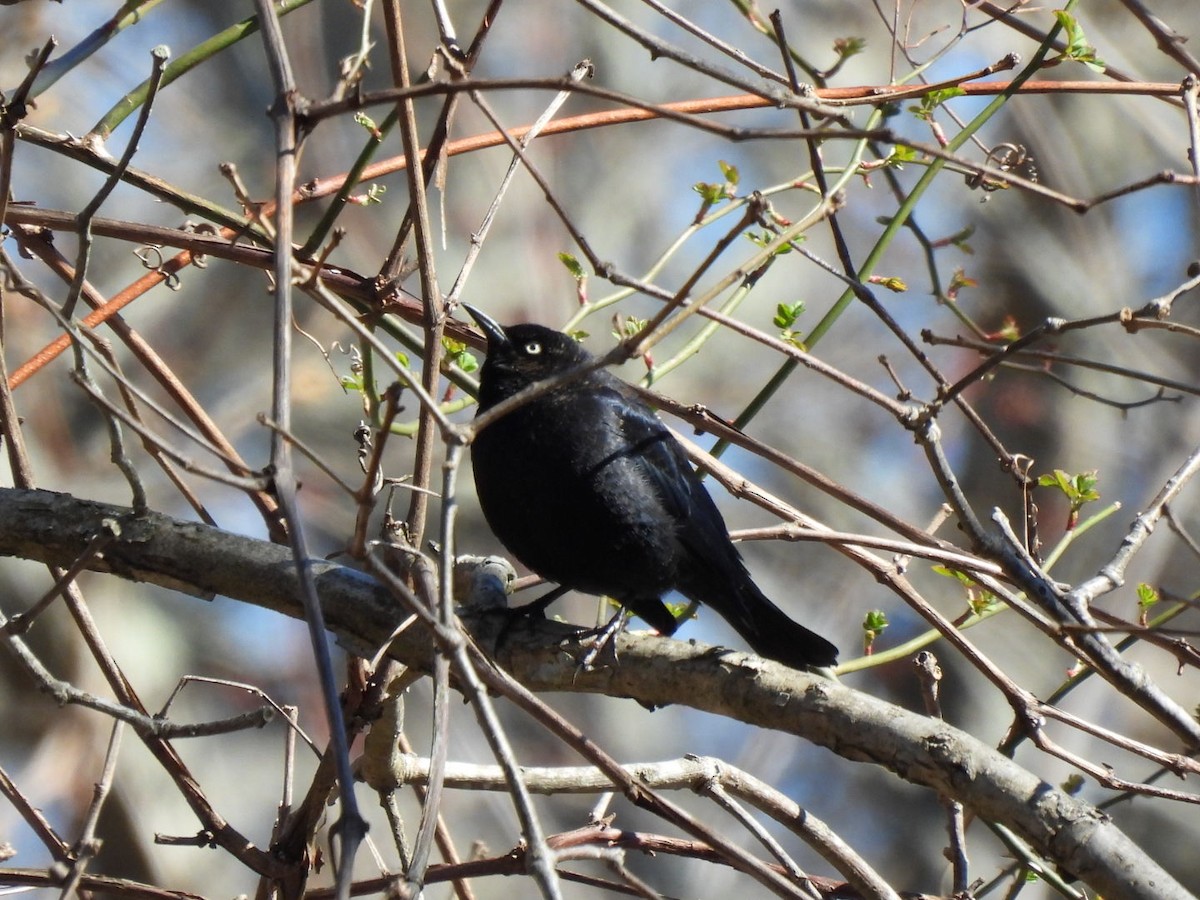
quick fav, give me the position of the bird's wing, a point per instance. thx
(664, 463)
(648, 448)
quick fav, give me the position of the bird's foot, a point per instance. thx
(533, 609)
(538, 607)
(605, 640)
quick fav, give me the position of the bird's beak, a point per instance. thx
(495, 333)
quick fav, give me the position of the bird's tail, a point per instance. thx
(769, 631)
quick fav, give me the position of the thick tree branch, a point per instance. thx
(54, 528)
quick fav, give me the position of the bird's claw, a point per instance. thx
(533, 609)
(605, 639)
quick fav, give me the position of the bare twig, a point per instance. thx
(351, 827)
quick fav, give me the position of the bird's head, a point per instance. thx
(519, 355)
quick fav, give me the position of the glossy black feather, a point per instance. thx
(587, 487)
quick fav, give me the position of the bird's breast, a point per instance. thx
(567, 495)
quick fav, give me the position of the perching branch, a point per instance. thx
(53, 528)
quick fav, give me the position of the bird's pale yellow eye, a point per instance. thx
(533, 348)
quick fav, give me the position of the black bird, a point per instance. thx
(587, 487)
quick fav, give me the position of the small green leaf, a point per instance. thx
(572, 265)
(1078, 489)
(961, 577)
(785, 318)
(959, 280)
(901, 154)
(1085, 486)
(979, 599)
(786, 314)
(1057, 479)
(934, 99)
(1078, 49)
(678, 609)
(847, 47)
(941, 95)
(1007, 333)
(1147, 596)
(373, 196)
(361, 118)
(1147, 599)
(764, 239)
(874, 624)
(458, 355)
(961, 240)
(711, 193)
(893, 283)
(627, 326)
